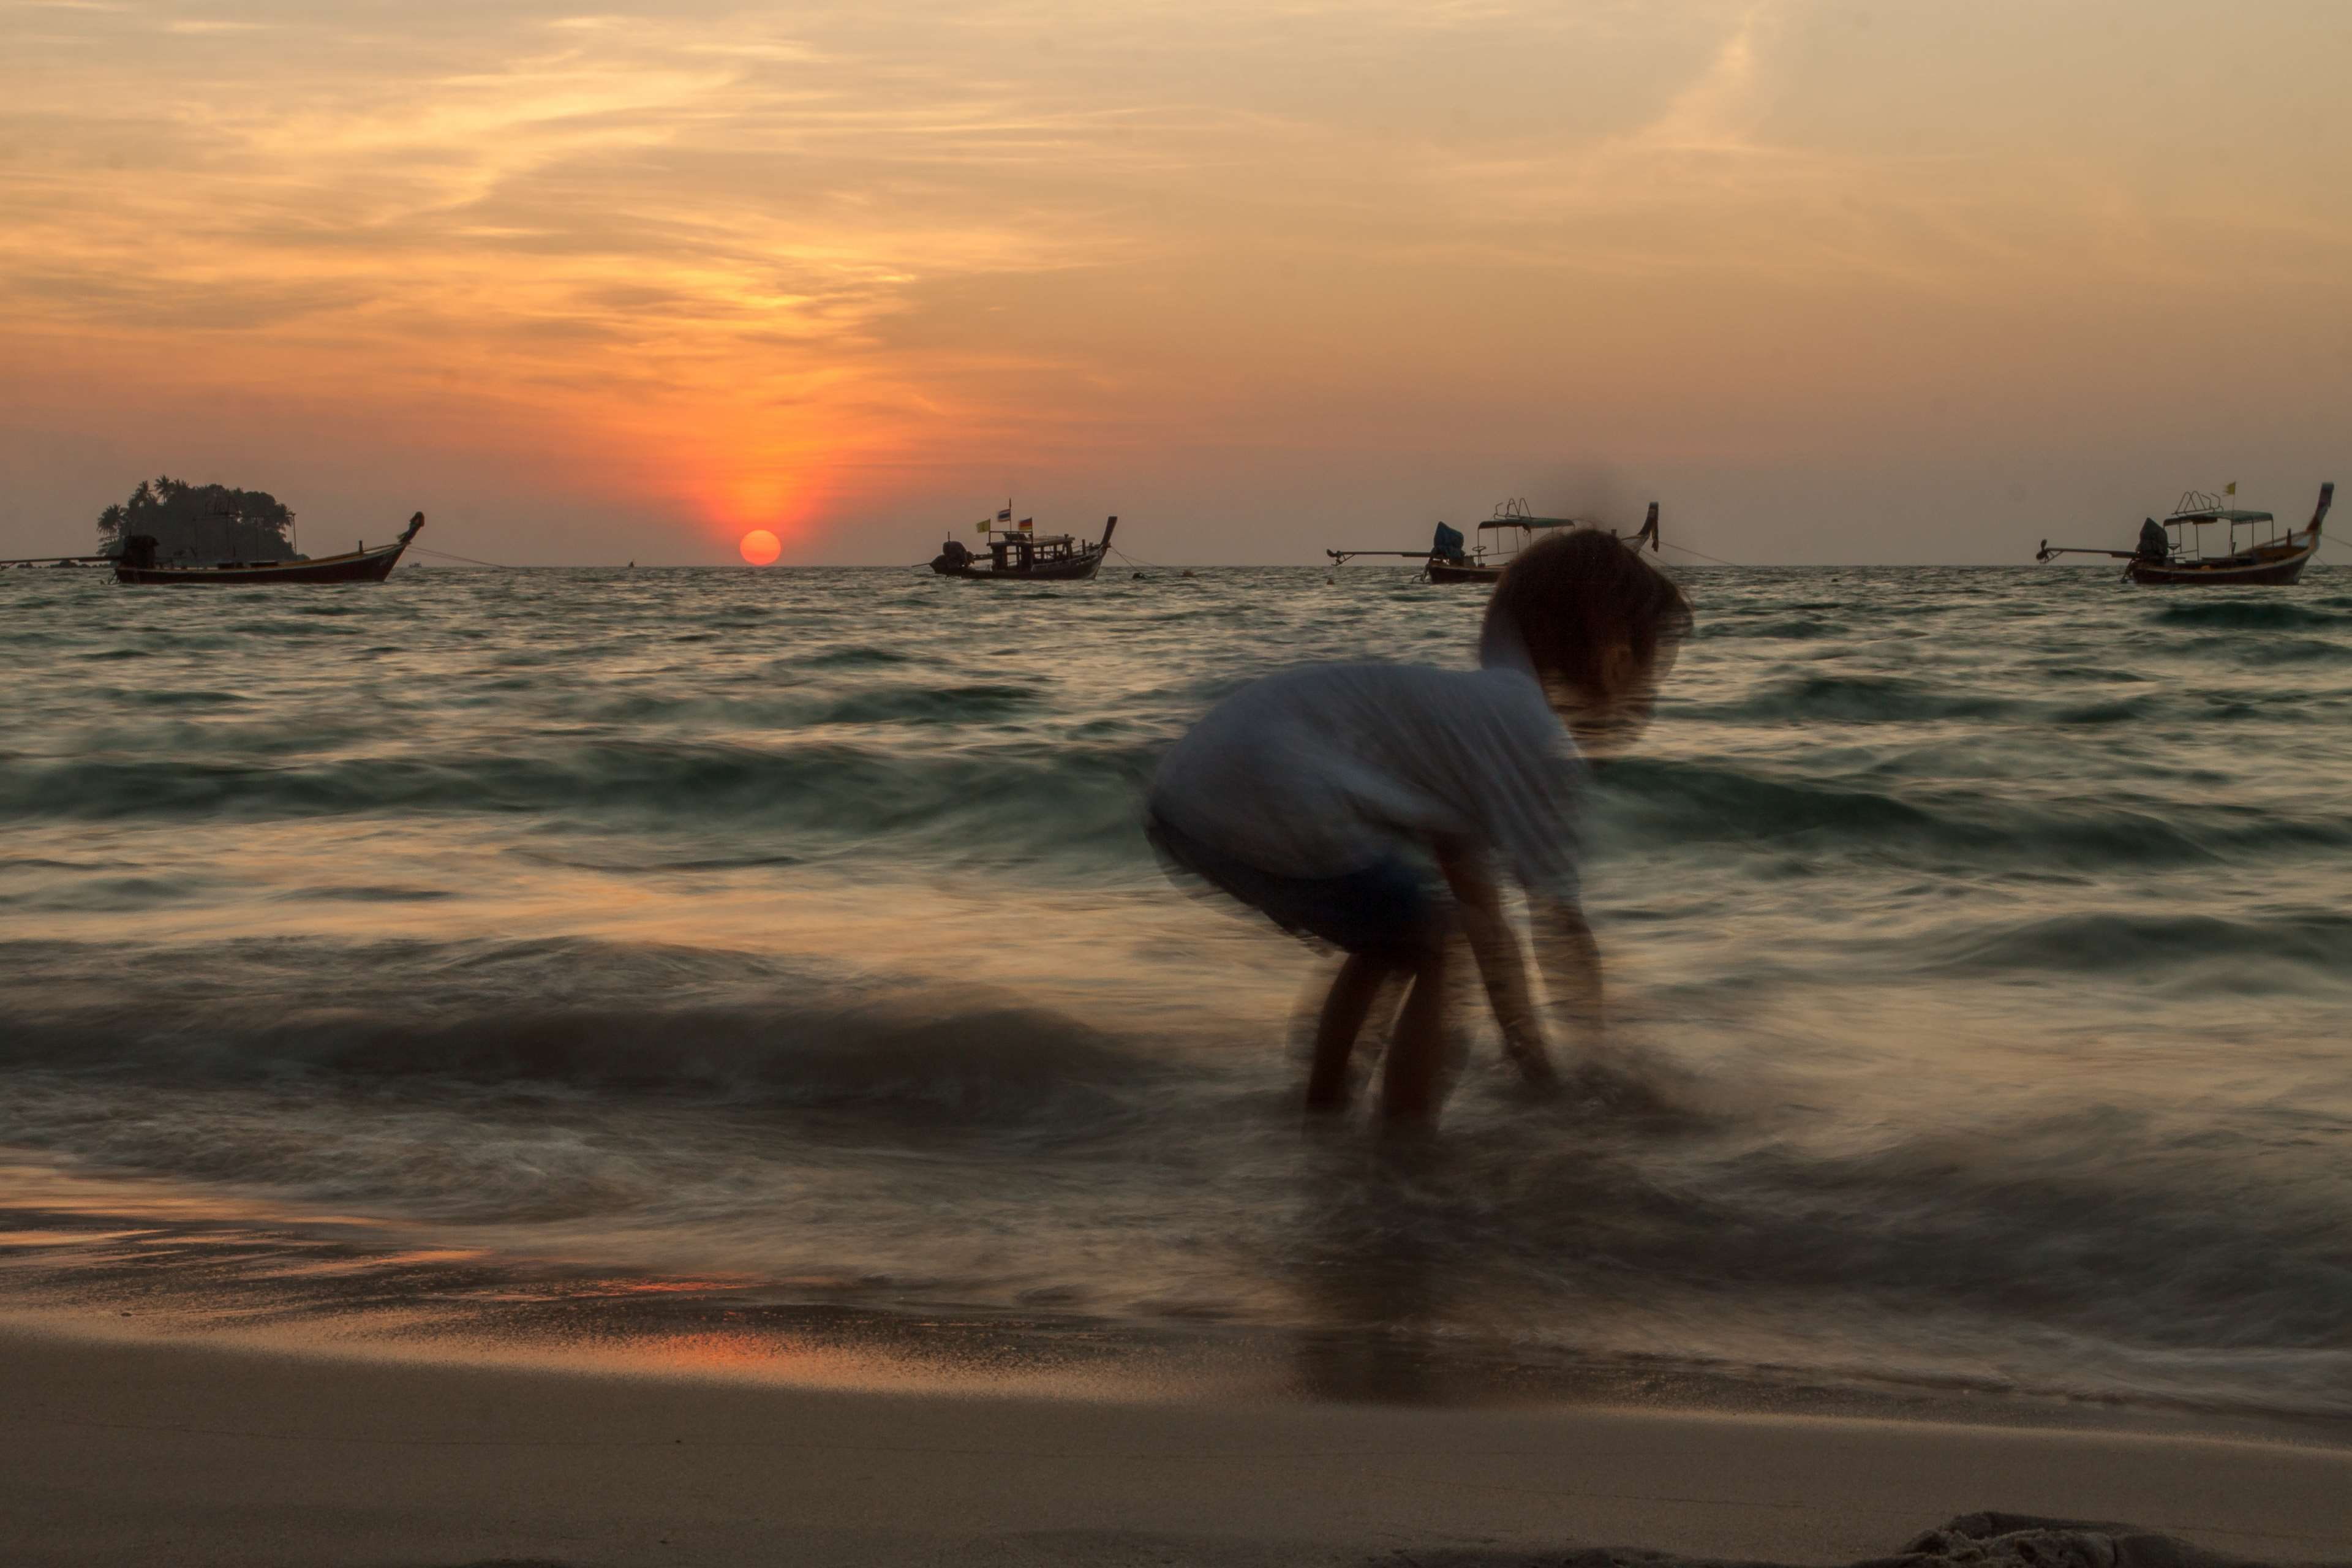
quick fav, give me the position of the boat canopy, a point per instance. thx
(2218, 514)
(1513, 513)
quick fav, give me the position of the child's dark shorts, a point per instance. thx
(1386, 908)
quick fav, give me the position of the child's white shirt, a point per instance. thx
(1323, 770)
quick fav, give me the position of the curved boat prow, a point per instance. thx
(2326, 500)
(1649, 530)
(1108, 529)
(413, 524)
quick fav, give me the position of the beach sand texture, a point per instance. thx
(120, 1453)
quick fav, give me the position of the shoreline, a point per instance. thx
(681, 1332)
(201, 1453)
(108, 1273)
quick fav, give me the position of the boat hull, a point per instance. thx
(358, 566)
(1077, 569)
(1444, 572)
(2252, 574)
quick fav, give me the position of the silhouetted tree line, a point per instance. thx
(206, 522)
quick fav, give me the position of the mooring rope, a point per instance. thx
(1136, 561)
(468, 559)
(1702, 554)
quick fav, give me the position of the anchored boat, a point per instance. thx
(2175, 551)
(1016, 552)
(137, 563)
(1500, 539)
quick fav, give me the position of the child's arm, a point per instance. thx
(1571, 964)
(1502, 964)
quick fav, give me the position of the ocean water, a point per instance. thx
(734, 967)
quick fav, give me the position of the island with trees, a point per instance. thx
(200, 522)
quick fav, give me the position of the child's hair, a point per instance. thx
(1573, 596)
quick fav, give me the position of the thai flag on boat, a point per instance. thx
(1005, 516)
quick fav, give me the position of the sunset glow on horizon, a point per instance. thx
(1833, 281)
(760, 547)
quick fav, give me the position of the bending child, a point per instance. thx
(1371, 805)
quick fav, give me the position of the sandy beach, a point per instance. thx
(124, 1452)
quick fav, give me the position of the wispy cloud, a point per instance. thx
(1719, 111)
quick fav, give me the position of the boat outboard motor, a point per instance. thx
(1447, 544)
(2153, 544)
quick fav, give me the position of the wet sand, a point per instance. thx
(123, 1452)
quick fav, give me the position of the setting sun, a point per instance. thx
(761, 548)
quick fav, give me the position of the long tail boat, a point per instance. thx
(2173, 551)
(363, 565)
(1016, 554)
(137, 563)
(1500, 539)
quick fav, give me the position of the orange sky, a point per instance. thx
(1832, 281)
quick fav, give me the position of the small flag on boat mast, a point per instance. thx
(2230, 488)
(1005, 516)
(1025, 524)
(981, 527)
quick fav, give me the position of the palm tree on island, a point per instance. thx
(209, 522)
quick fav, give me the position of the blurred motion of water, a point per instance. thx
(789, 937)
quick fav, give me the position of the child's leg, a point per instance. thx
(1416, 1064)
(1353, 990)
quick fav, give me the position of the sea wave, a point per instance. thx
(2283, 951)
(1661, 802)
(901, 1144)
(614, 1019)
(1014, 799)
(2266, 614)
(1072, 808)
(1863, 698)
